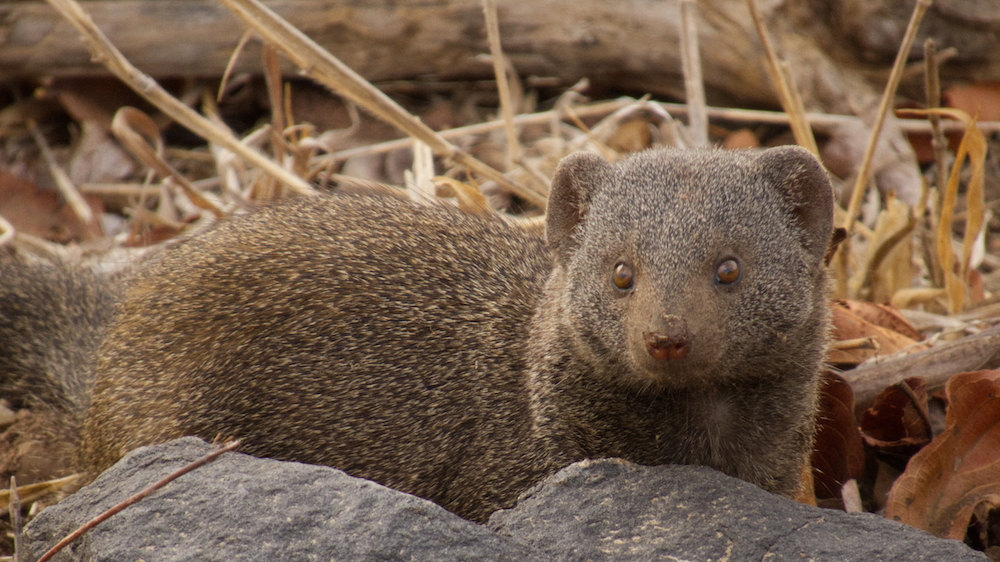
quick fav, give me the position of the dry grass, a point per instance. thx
(907, 256)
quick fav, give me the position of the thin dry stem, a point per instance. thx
(69, 192)
(15, 516)
(864, 171)
(608, 153)
(272, 78)
(791, 101)
(819, 121)
(104, 52)
(122, 189)
(503, 87)
(130, 126)
(231, 63)
(856, 343)
(932, 85)
(798, 113)
(693, 83)
(597, 109)
(882, 252)
(331, 72)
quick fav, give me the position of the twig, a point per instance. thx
(597, 109)
(131, 127)
(921, 407)
(936, 365)
(798, 113)
(503, 88)
(104, 52)
(333, 73)
(852, 497)
(231, 63)
(791, 101)
(15, 516)
(608, 153)
(856, 343)
(693, 83)
(272, 79)
(932, 87)
(69, 192)
(230, 446)
(864, 171)
(819, 121)
(31, 492)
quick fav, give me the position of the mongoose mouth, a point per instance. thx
(663, 347)
(668, 338)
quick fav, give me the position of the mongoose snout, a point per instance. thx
(670, 339)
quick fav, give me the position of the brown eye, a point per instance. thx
(622, 276)
(728, 272)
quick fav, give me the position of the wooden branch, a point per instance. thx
(631, 44)
(936, 365)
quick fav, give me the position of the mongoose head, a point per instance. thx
(682, 268)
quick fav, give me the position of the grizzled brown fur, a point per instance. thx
(463, 360)
(53, 317)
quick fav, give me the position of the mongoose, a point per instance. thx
(674, 313)
(53, 317)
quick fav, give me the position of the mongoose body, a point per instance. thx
(675, 313)
(53, 317)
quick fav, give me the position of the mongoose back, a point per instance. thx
(675, 313)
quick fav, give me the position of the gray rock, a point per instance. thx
(614, 510)
(245, 508)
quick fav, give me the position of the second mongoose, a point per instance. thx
(674, 313)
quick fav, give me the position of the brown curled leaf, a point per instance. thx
(960, 469)
(898, 420)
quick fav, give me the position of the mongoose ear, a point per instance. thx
(807, 187)
(576, 179)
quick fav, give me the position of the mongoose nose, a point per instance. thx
(670, 340)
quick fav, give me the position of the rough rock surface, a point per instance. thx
(244, 508)
(614, 510)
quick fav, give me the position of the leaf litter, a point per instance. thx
(912, 279)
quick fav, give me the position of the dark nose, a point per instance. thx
(668, 339)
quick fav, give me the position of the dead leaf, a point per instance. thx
(741, 138)
(982, 98)
(886, 265)
(41, 212)
(847, 325)
(839, 453)
(633, 135)
(898, 421)
(886, 316)
(97, 158)
(958, 471)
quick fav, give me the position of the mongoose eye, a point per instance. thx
(623, 276)
(728, 272)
